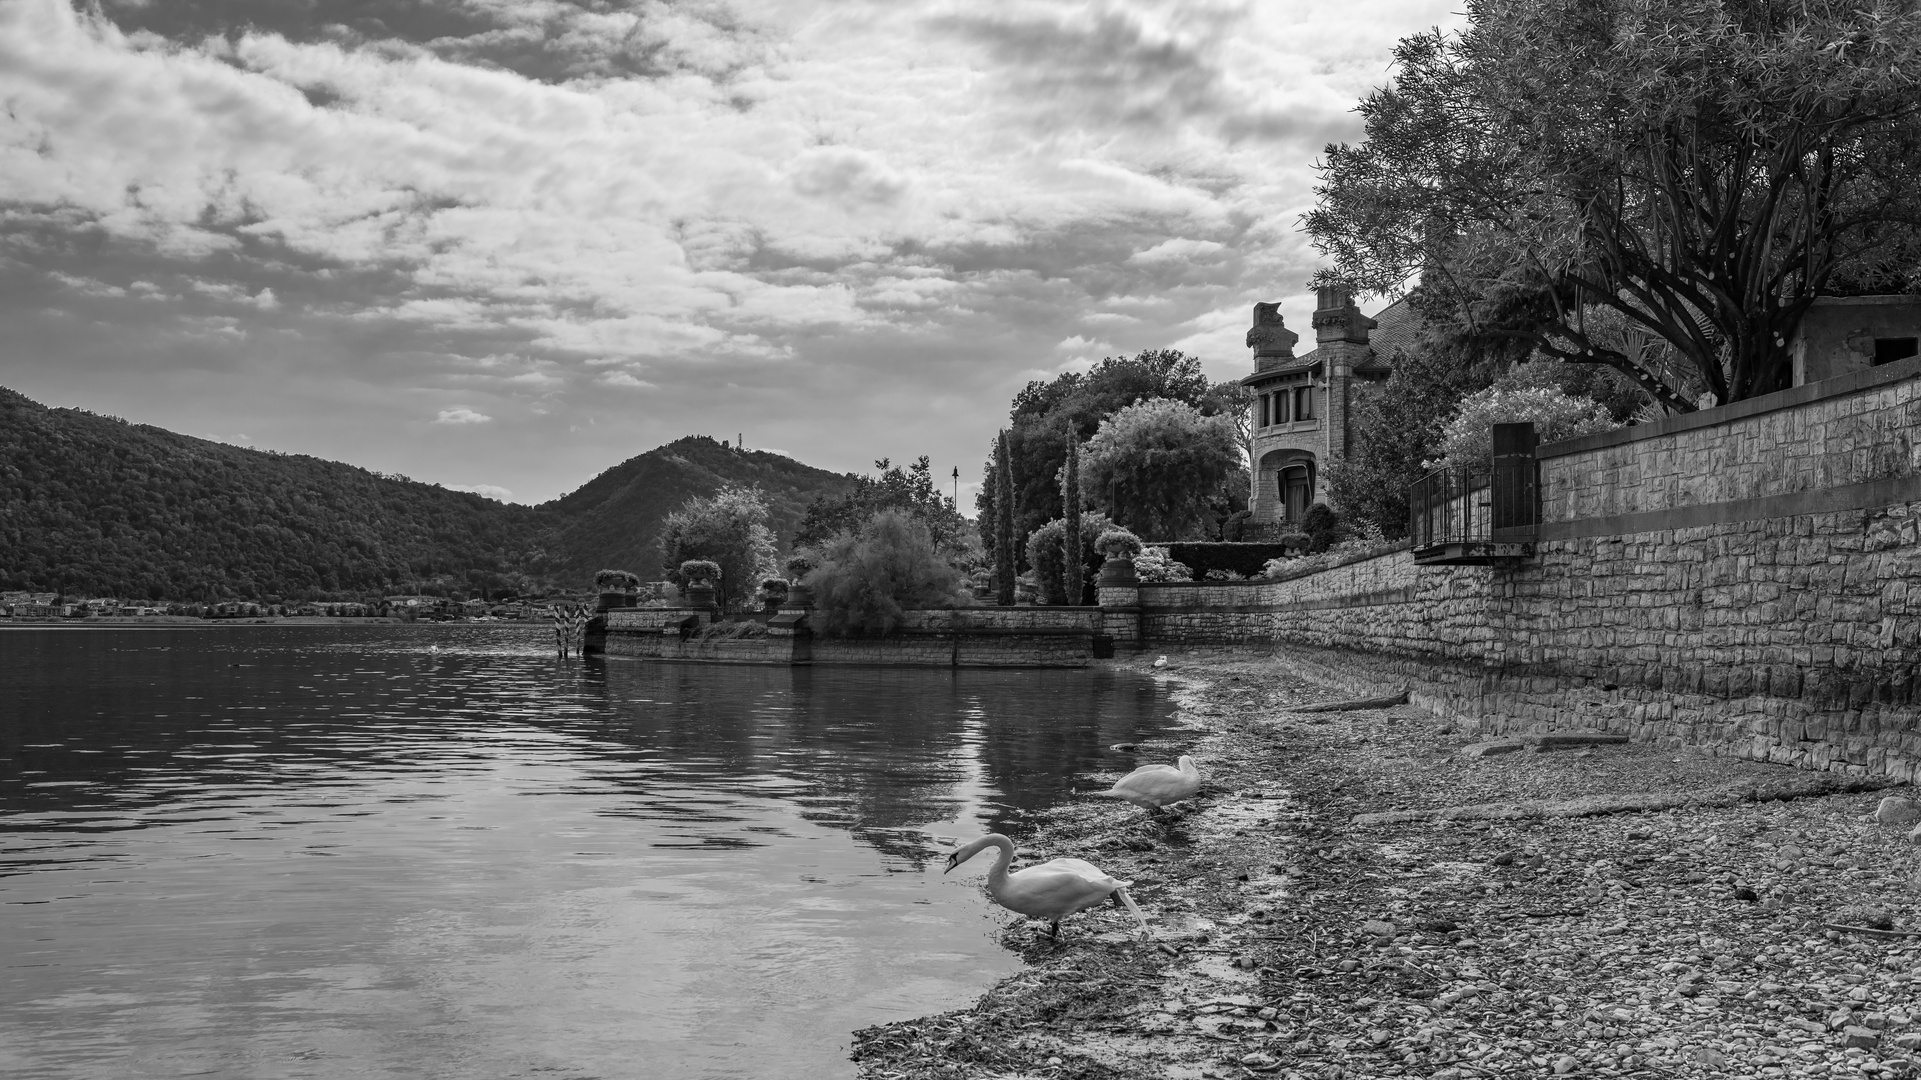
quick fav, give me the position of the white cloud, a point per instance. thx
(491, 491)
(622, 378)
(835, 205)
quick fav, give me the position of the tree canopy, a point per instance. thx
(728, 528)
(1701, 168)
(1158, 466)
(912, 491)
(1045, 415)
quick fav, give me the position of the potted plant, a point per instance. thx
(773, 593)
(700, 575)
(1118, 548)
(798, 567)
(616, 588)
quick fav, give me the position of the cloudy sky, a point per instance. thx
(505, 244)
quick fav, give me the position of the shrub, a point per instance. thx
(1118, 544)
(1153, 564)
(867, 579)
(798, 566)
(1299, 541)
(1047, 554)
(1321, 526)
(1468, 438)
(700, 571)
(1234, 529)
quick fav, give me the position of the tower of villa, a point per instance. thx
(1302, 403)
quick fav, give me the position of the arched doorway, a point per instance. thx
(1296, 482)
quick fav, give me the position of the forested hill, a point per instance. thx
(92, 505)
(614, 519)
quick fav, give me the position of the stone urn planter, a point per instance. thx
(798, 596)
(1117, 572)
(699, 594)
(610, 601)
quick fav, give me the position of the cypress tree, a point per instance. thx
(1071, 518)
(1004, 519)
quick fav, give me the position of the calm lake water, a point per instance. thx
(440, 852)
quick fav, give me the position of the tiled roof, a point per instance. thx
(1398, 326)
(1299, 364)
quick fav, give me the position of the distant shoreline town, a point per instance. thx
(45, 608)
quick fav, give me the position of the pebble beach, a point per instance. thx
(1382, 892)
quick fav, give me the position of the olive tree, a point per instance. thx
(1702, 168)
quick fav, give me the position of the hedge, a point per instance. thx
(1245, 559)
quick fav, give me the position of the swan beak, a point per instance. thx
(951, 863)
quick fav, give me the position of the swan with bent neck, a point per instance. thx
(1152, 787)
(1052, 890)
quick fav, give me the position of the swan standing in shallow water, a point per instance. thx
(1152, 787)
(1052, 890)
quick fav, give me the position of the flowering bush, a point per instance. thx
(700, 571)
(1118, 544)
(1153, 564)
(798, 566)
(1468, 438)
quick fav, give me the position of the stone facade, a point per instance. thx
(1300, 421)
(1841, 335)
(1747, 579)
(946, 637)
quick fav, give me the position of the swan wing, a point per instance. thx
(1054, 891)
(1162, 784)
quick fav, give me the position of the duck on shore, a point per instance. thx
(1052, 890)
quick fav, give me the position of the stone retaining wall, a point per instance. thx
(945, 637)
(1746, 579)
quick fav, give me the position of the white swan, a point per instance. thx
(1160, 661)
(1151, 787)
(1053, 890)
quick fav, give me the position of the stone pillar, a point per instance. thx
(1340, 336)
(1118, 591)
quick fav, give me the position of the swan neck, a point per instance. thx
(1003, 857)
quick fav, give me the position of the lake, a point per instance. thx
(438, 851)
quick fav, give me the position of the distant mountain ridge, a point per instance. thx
(614, 520)
(94, 505)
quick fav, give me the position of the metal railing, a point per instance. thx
(1450, 506)
(1498, 502)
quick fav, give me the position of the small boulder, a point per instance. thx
(1871, 918)
(1376, 928)
(1746, 895)
(1566, 1064)
(1863, 1037)
(1895, 810)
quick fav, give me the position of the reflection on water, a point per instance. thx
(440, 852)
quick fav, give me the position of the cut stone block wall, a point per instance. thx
(1745, 579)
(948, 637)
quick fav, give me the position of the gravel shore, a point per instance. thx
(1532, 938)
